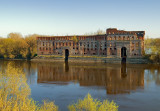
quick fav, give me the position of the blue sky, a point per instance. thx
(69, 17)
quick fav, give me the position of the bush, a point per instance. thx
(90, 104)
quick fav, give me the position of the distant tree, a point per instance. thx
(99, 32)
(15, 35)
(31, 45)
(152, 49)
(75, 39)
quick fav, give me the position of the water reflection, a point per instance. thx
(116, 79)
(131, 86)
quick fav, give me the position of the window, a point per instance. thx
(105, 44)
(137, 44)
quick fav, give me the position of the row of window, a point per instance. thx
(86, 53)
(45, 48)
(66, 38)
(92, 44)
(122, 38)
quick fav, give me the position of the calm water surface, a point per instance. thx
(134, 87)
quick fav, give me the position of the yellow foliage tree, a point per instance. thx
(75, 39)
(15, 46)
(90, 104)
(15, 92)
(31, 45)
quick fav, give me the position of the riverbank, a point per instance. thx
(89, 59)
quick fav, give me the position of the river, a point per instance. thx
(134, 87)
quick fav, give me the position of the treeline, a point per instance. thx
(152, 49)
(15, 46)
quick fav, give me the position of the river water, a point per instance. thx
(134, 87)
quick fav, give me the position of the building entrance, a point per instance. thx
(66, 54)
(123, 54)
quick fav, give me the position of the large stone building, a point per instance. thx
(115, 43)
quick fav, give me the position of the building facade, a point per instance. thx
(115, 43)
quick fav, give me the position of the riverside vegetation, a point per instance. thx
(15, 46)
(15, 96)
(152, 50)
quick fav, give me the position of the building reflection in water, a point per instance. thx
(115, 78)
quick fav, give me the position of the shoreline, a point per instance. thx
(89, 59)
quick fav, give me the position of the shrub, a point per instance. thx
(90, 104)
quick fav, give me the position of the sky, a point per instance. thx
(77, 17)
